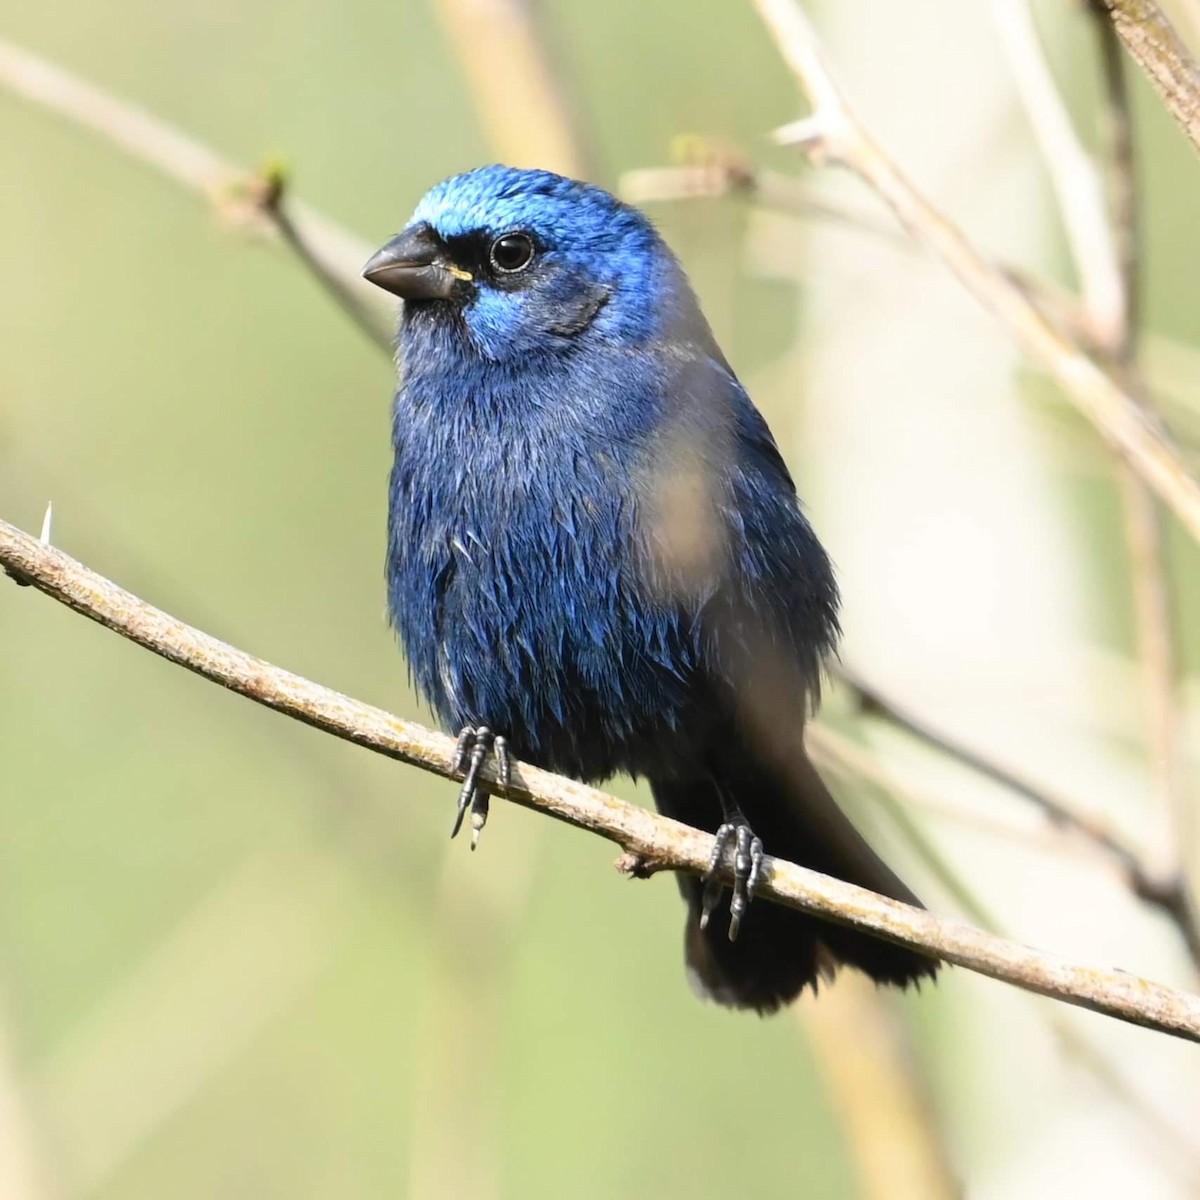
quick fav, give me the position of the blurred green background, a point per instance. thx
(240, 958)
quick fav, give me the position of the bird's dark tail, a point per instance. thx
(780, 951)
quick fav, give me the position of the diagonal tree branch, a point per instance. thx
(724, 173)
(832, 133)
(1077, 184)
(341, 282)
(650, 841)
(334, 254)
(1104, 242)
(1160, 52)
(329, 252)
(1166, 891)
(720, 178)
(1153, 602)
(856, 765)
(1121, 186)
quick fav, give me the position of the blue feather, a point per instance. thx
(594, 546)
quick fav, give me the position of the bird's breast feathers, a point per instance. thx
(553, 552)
(516, 586)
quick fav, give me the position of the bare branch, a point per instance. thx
(645, 836)
(713, 180)
(329, 252)
(1104, 241)
(343, 286)
(770, 189)
(333, 252)
(1160, 51)
(1116, 410)
(1121, 185)
(857, 764)
(1153, 607)
(1105, 256)
(1076, 182)
(834, 134)
(1166, 891)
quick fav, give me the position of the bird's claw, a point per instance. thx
(475, 742)
(747, 870)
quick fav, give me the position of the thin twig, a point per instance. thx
(854, 762)
(1105, 248)
(1121, 185)
(329, 252)
(1103, 240)
(1076, 182)
(847, 760)
(156, 143)
(770, 189)
(1160, 51)
(342, 286)
(645, 836)
(783, 193)
(1166, 892)
(833, 133)
(1153, 608)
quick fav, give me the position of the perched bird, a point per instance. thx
(596, 559)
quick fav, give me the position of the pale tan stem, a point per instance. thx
(868, 1065)
(523, 106)
(1161, 53)
(834, 133)
(645, 836)
(332, 254)
(1077, 183)
(1154, 616)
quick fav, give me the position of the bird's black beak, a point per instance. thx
(414, 265)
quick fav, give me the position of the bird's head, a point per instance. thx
(527, 262)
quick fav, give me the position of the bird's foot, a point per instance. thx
(747, 870)
(475, 742)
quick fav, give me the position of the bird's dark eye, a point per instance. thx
(512, 252)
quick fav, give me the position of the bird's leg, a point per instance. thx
(474, 744)
(747, 866)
